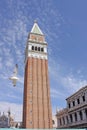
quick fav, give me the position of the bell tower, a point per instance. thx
(37, 111)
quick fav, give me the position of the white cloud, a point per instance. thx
(73, 84)
(68, 82)
(55, 93)
(16, 110)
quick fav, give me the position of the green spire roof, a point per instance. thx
(35, 29)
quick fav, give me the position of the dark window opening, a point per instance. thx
(67, 119)
(32, 47)
(81, 116)
(71, 119)
(63, 120)
(60, 122)
(42, 49)
(73, 103)
(53, 121)
(75, 116)
(38, 48)
(35, 48)
(83, 97)
(78, 101)
(86, 112)
(69, 105)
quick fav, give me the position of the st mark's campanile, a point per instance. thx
(36, 103)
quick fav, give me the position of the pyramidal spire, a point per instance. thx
(35, 29)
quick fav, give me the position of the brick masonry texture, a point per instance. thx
(37, 111)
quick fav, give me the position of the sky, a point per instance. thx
(64, 24)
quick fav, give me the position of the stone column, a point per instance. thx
(58, 122)
(62, 121)
(73, 116)
(75, 102)
(71, 104)
(81, 100)
(65, 120)
(69, 119)
(78, 116)
(84, 114)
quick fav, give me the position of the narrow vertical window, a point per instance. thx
(32, 47)
(75, 116)
(73, 103)
(38, 48)
(63, 121)
(71, 118)
(86, 113)
(83, 97)
(69, 105)
(81, 116)
(67, 119)
(60, 122)
(35, 48)
(42, 49)
(78, 101)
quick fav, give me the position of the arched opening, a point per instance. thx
(71, 118)
(38, 48)
(75, 116)
(81, 116)
(53, 122)
(73, 103)
(32, 47)
(86, 113)
(60, 121)
(83, 97)
(67, 119)
(42, 49)
(78, 101)
(63, 121)
(35, 48)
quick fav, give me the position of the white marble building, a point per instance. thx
(75, 114)
(54, 121)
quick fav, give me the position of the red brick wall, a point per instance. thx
(36, 80)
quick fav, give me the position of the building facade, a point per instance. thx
(54, 121)
(6, 120)
(36, 104)
(75, 115)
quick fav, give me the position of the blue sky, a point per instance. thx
(64, 24)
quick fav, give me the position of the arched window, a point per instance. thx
(35, 48)
(42, 49)
(38, 48)
(32, 47)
